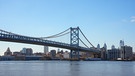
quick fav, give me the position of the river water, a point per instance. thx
(67, 68)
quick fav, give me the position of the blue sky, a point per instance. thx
(102, 21)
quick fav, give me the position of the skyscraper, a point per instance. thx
(105, 46)
(98, 46)
(104, 52)
(121, 43)
(126, 52)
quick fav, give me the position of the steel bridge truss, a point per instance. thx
(74, 41)
(73, 46)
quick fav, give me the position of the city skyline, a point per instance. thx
(102, 22)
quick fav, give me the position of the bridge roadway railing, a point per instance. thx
(39, 41)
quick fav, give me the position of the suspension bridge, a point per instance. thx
(73, 45)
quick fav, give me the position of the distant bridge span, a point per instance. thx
(38, 41)
(11, 37)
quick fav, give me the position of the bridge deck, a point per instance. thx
(39, 41)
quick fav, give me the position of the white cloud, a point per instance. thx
(132, 19)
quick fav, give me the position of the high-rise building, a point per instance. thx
(26, 51)
(8, 52)
(103, 54)
(126, 52)
(46, 49)
(98, 46)
(113, 47)
(105, 46)
(121, 43)
(113, 54)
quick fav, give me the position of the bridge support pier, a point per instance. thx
(74, 41)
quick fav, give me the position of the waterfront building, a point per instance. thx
(5, 58)
(38, 54)
(53, 53)
(66, 55)
(126, 52)
(8, 52)
(60, 52)
(46, 49)
(103, 53)
(113, 54)
(19, 57)
(33, 57)
(27, 51)
(82, 54)
(16, 53)
(133, 57)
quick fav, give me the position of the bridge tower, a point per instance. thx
(74, 41)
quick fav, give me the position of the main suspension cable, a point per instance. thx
(10, 33)
(83, 43)
(57, 35)
(86, 38)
